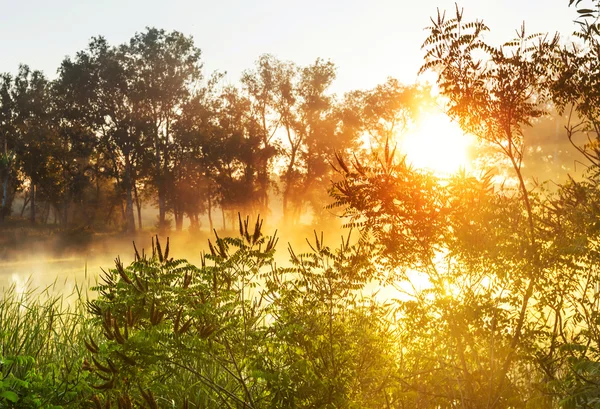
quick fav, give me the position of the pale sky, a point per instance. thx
(368, 40)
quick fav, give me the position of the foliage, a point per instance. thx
(124, 126)
(456, 291)
(42, 352)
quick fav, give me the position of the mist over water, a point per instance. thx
(53, 260)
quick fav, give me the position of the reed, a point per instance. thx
(41, 347)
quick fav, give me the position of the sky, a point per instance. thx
(368, 40)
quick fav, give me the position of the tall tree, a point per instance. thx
(7, 158)
(100, 82)
(193, 171)
(34, 128)
(306, 110)
(265, 85)
(167, 66)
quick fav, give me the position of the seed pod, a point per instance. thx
(187, 279)
(206, 330)
(117, 332)
(128, 360)
(222, 248)
(102, 376)
(257, 229)
(129, 316)
(121, 271)
(137, 255)
(96, 401)
(186, 326)
(108, 331)
(159, 250)
(93, 308)
(140, 285)
(105, 386)
(90, 347)
(177, 318)
(108, 317)
(272, 242)
(112, 366)
(167, 251)
(149, 398)
(212, 249)
(240, 224)
(93, 343)
(107, 278)
(156, 316)
(86, 365)
(124, 402)
(100, 366)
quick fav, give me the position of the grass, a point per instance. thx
(42, 348)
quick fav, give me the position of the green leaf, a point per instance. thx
(10, 396)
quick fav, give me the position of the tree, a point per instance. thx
(385, 112)
(264, 86)
(7, 162)
(306, 110)
(100, 85)
(194, 171)
(33, 128)
(167, 66)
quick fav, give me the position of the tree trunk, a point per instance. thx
(6, 178)
(129, 217)
(123, 214)
(65, 216)
(46, 213)
(210, 220)
(108, 216)
(25, 203)
(194, 223)
(4, 204)
(178, 219)
(160, 184)
(32, 202)
(289, 179)
(138, 205)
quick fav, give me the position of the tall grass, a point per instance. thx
(41, 347)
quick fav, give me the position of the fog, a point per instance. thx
(39, 261)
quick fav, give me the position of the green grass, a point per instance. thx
(42, 348)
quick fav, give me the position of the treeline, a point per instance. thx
(139, 124)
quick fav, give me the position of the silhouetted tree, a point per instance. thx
(167, 66)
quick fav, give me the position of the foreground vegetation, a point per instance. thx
(488, 294)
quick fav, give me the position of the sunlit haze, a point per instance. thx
(263, 204)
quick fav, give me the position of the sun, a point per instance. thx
(437, 144)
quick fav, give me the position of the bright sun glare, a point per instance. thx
(437, 144)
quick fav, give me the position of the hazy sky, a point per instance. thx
(368, 40)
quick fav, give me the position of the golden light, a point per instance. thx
(437, 144)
